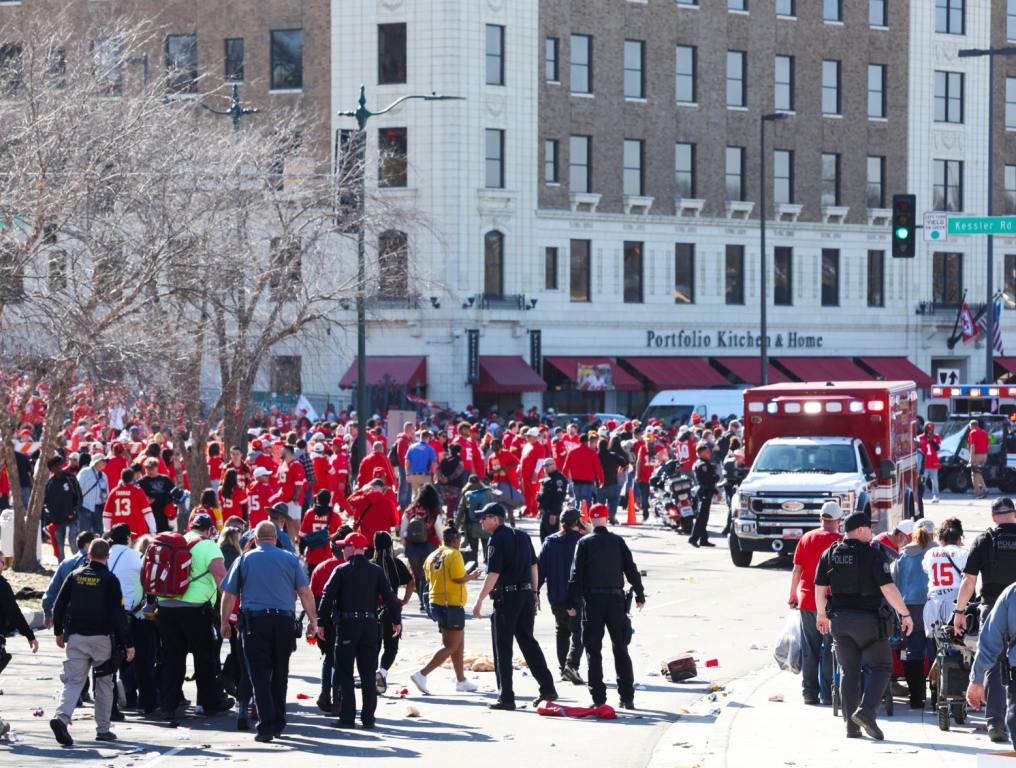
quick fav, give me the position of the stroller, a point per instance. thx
(952, 668)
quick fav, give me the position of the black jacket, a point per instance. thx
(602, 561)
(11, 616)
(706, 476)
(612, 462)
(552, 493)
(358, 587)
(91, 603)
(63, 498)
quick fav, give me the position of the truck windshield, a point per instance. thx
(807, 458)
(668, 414)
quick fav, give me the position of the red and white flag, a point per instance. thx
(968, 327)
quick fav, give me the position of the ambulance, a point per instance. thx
(852, 442)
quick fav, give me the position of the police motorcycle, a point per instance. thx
(672, 496)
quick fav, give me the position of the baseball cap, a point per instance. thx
(855, 521)
(599, 512)
(202, 522)
(256, 445)
(355, 540)
(532, 432)
(318, 448)
(926, 524)
(832, 510)
(493, 509)
(571, 516)
(905, 526)
(379, 472)
(99, 457)
(261, 472)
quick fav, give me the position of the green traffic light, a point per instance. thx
(902, 233)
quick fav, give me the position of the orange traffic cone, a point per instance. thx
(632, 517)
(585, 511)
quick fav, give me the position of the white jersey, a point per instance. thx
(944, 567)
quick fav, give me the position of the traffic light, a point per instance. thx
(904, 208)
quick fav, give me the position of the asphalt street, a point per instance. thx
(697, 602)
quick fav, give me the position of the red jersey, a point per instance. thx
(402, 444)
(114, 468)
(325, 478)
(259, 497)
(266, 461)
(290, 479)
(373, 511)
(502, 467)
(583, 465)
(340, 466)
(929, 445)
(310, 523)
(214, 468)
(471, 461)
(651, 457)
(243, 471)
(370, 462)
(127, 504)
(531, 454)
(809, 550)
(684, 452)
(978, 440)
(321, 574)
(234, 504)
(886, 541)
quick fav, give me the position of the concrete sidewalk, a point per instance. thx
(743, 727)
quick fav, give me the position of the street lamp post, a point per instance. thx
(361, 114)
(764, 342)
(989, 325)
(236, 110)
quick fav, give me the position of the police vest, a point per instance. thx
(850, 570)
(1001, 570)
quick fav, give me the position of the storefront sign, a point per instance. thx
(730, 340)
(473, 362)
(536, 351)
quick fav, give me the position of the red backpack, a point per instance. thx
(166, 568)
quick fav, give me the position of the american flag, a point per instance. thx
(996, 326)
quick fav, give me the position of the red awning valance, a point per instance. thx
(677, 372)
(749, 370)
(568, 366)
(507, 374)
(409, 372)
(897, 369)
(824, 369)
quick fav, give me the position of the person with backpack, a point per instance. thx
(185, 571)
(420, 531)
(398, 575)
(318, 524)
(476, 494)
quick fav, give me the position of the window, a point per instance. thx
(830, 179)
(737, 5)
(684, 170)
(633, 273)
(684, 273)
(286, 378)
(393, 152)
(1010, 19)
(947, 188)
(393, 264)
(876, 90)
(876, 278)
(949, 16)
(287, 59)
(108, 60)
(736, 89)
(735, 173)
(785, 8)
(783, 90)
(1009, 184)
(494, 168)
(580, 177)
(634, 69)
(493, 263)
(634, 150)
(11, 70)
(1010, 103)
(551, 69)
(391, 53)
(783, 276)
(580, 270)
(947, 278)
(832, 10)
(687, 2)
(783, 176)
(284, 263)
(876, 182)
(686, 63)
(1010, 274)
(233, 59)
(181, 64)
(830, 87)
(495, 54)
(830, 277)
(734, 275)
(581, 64)
(550, 269)
(550, 161)
(949, 97)
(877, 13)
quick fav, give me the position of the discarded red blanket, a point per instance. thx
(51, 530)
(552, 709)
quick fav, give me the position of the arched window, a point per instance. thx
(493, 263)
(393, 264)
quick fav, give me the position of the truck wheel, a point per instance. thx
(738, 556)
(960, 482)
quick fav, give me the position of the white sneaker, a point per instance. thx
(934, 499)
(420, 681)
(465, 686)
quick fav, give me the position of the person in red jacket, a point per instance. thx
(376, 459)
(929, 444)
(127, 503)
(118, 462)
(260, 459)
(259, 497)
(290, 479)
(978, 441)
(373, 509)
(340, 466)
(214, 465)
(582, 467)
(529, 468)
(324, 473)
(320, 517)
(503, 473)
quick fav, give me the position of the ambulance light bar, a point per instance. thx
(813, 407)
(973, 391)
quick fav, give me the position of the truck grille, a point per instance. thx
(778, 523)
(774, 504)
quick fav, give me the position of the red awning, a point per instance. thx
(748, 370)
(1009, 363)
(677, 372)
(408, 372)
(568, 366)
(897, 369)
(824, 369)
(507, 373)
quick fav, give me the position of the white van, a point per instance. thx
(677, 405)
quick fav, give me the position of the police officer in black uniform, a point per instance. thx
(602, 562)
(512, 579)
(350, 604)
(993, 556)
(706, 477)
(551, 497)
(858, 576)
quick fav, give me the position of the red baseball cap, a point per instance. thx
(379, 472)
(599, 512)
(256, 445)
(355, 540)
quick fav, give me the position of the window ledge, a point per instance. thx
(877, 119)
(739, 209)
(689, 206)
(581, 95)
(879, 27)
(736, 109)
(687, 103)
(785, 17)
(832, 22)
(685, 5)
(835, 214)
(636, 99)
(552, 183)
(495, 200)
(737, 12)
(552, 82)
(879, 217)
(787, 211)
(585, 202)
(638, 205)
(285, 90)
(833, 116)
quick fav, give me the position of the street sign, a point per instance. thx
(936, 227)
(982, 225)
(948, 376)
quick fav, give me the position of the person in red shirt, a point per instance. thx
(118, 462)
(324, 473)
(503, 473)
(649, 454)
(582, 467)
(260, 459)
(290, 479)
(402, 443)
(127, 503)
(929, 444)
(895, 541)
(684, 449)
(471, 462)
(373, 509)
(232, 496)
(340, 465)
(570, 438)
(215, 464)
(529, 468)
(978, 441)
(259, 497)
(817, 650)
(243, 469)
(320, 517)
(376, 459)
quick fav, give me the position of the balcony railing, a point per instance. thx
(945, 308)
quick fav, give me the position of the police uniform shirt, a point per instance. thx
(356, 587)
(90, 603)
(705, 476)
(602, 561)
(267, 577)
(509, 556)
(998, 568)
(856, 572)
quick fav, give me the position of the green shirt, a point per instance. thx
(202, 589)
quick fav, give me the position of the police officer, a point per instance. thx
(993, 556)
(512, 579)
(551, 498)
(88, 614)
(267, 577)
(859, 578)
(350, 605)
(602, 563)
(706, 476)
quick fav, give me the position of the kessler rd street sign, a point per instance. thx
(982, 225)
